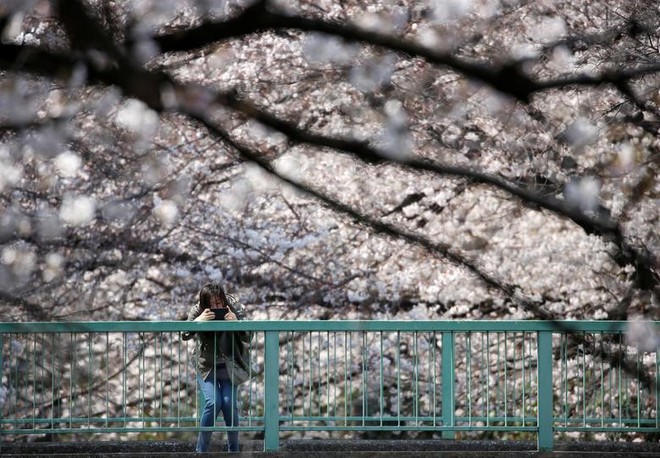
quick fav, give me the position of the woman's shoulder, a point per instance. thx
(235, 304)
(232, 299)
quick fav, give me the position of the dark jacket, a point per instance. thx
(232, 345)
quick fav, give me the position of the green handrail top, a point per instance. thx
(320, 325)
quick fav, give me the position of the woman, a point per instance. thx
(220, 357)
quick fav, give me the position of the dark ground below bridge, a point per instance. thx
(334, 448)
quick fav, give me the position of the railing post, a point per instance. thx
(271, 391)
(545, 410)
(448, 383)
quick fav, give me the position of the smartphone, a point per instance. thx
(219, 313)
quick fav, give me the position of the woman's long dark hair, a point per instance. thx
(208, 291)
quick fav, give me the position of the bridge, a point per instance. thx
(520, 382)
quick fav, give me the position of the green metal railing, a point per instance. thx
(455, 379)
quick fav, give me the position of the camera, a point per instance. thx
(220, 313)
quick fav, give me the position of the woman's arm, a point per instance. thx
(239, 310)
(192, 314)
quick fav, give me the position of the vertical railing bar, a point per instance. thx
(251, 381)
(506, 380)
(90, 362)
(312, 378)
(233, 407)
(532, 350)
(182, 381)
(291, 378)
(640, 392)
(347, 371)
(271, 391)
(430, 384)
(143, 387)
(619, 364)
(320, 374)
(310, 356)
(160, 375)
(316, 361)
(170, 397)
(16, 379)
(468, 353)
(175, 376)
(290, 400)
(416, 376)
(429, 376)
(544, 376)
(514, 399)
(193, 375)
(498, 390)
(2, 365)
(398, 377)
(564, 359)
(44, 373)
(365, 401)
(626, 383)
(612, 379)
(53, 379)
(657, 385)
(350, 373)
(584, 381)
(106, 363)
(309, 393)
(327, 376)
(448, 383)
(381, 379)
(487, 378)
(335, 374)
(594, 406)
(73, 360)
(34, 379)
(123, 375)
(414, 379)
(434, 359)
(311, 374)
(179, 378)
(602, 380)
(524, 364)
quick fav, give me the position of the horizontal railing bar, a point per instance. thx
(285, 420)
(84, 421)
(193, 429)
(398, 419)
(316, 325)
(409, 428)
(625, 421)
(605, 429)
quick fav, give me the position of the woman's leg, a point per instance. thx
(230, 412)
(211, 392)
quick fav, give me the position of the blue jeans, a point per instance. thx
(220, 395)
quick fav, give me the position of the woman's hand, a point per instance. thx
(230, 316)
(206, 315)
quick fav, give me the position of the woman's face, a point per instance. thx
(216, 302)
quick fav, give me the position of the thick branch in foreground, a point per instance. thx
(509, 78)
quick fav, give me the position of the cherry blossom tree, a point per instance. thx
(453, 158)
